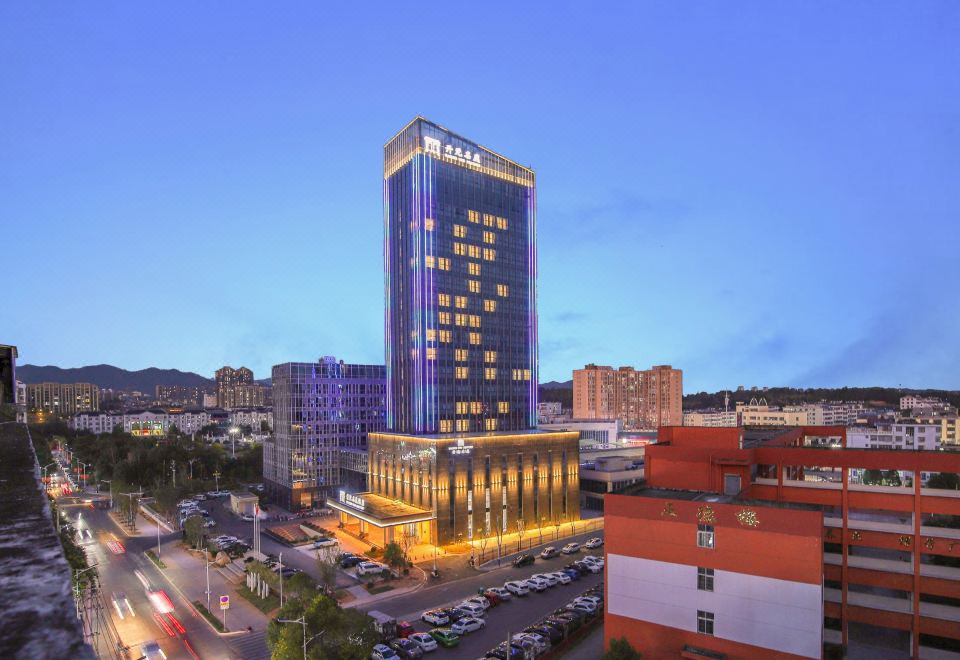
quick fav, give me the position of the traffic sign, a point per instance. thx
(224, 602)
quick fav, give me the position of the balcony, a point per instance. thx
(889, 604)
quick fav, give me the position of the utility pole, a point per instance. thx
(216, 476)
(281, 578)
(173, 467)
(208, 579)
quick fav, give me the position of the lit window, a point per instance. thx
(460, 302)
(474, 252)
(489, 305)
(704, 622)
(489, 356)
(705, 579)
(476, 407)
(459, 248)
(489, 254)
(501, 223)
(462, 373)
(463, 407)
(526, 374)
(446, 336)
(460, 319)
(459, 231)
(473, 216)
(428, 224)
(431, 353)
(429, 260)
(463, 425)
(444, 318)
(474, 321)
(431, 334)
(461, 354)
(473, 269)
(491, 423)
(489, 237)
(503, 406)
(446, 426)
(705, 537)
(474, 286)
(490, 373)
(503, 290)
(475, 338)
(488, 219)
(443, 299)
(443, 263)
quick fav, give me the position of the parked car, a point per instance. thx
(583, 605)
(349, 560)
(325, 543)
(502, 594)
(382, 652)
(535, 646)
(467, 625)
(548, 578)
(593, 567)
(596, 600)
(504, 652)
(445, 637)
(572, 573)
(570, 549)
(370, 567)
(595, 542)
(424, 641)
(561, 577)
(404, 629)
(536, 584)
(407, 649)
(549, 552)
(435, 618)
(481, 601)
(523, 560)
(579, 567)
(517, 588)
(567, 626)
(552, 633)
(454, 614)
(472, 609)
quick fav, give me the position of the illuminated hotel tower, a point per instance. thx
(460, 253)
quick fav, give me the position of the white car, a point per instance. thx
(596, 600)
(325, 543)
(479, 600)
(540, 645)
(550, 579)
(383, 652)
(435, 618)
(584, 606)
(536, 584)
(593, 567)
(501, 593)
(369, 567)
(597, 561)
(570, 549)
(562, 578)
(595, 542)
(424, 641)
(467, 624)
(517, 588)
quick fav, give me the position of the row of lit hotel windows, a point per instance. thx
(460, 355)
(489, 220)
(489, 373)
(446, 336)
(461, 302)
(462, 425)
(459, 231)
(474, 251)
(472, 320)
(476, 407)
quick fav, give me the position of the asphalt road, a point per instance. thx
(126, 573)
(510, 617)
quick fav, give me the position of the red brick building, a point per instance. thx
(753, 544)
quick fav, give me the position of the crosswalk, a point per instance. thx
(250, 647)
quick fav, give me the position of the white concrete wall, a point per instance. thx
(765, 612)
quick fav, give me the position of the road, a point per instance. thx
(181, 633)
(510, 617)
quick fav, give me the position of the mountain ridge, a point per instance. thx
(111, 377)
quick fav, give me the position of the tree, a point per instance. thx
(944, 480)
(543, 521)
(394, 556)
(871, 477)
(300, 585)
(193, 528)
(620, 649)
(347, 634)
(556, 526)
(520, 529)
(328, 571)
(891, 478)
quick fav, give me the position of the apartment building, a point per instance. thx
(640, 399)
(710, 418)
(761, 543)
(906, 434)
(62, 398)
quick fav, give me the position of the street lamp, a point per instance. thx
(108, 481)
(208, 582)
(233, 441)
(302, 621)
(43, 470)
(280, 573)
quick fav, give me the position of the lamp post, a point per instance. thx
(43, 471)
(302, 621)
(233, 441)
(108, 481)
(208, 582)
(280, 573)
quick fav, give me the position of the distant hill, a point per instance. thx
(107, 376)
(557, 385)
(787, 396)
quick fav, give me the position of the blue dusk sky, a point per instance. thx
(758, 193)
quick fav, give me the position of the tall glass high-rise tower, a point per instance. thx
(460, 261)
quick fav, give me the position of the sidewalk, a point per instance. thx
(187, 574)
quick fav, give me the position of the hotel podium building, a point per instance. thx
(461, 458)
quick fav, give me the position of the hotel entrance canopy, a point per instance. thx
(378, 510)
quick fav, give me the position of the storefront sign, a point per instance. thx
(352, 500)
(460, 449)
(433, 147)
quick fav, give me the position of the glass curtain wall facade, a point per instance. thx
(460, 264)
(319, 409)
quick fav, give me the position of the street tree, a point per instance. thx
(521, 528)
(193, 529)
(620, 649)
(327, 565)
(394, 556)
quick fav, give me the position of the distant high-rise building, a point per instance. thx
(62, 398)
(462, 456)
(640, 399)
(179, 395)
(319, 409)
(237, 389)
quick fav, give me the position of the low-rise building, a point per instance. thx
(906, 434)
(592, 432)
(710, 418)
